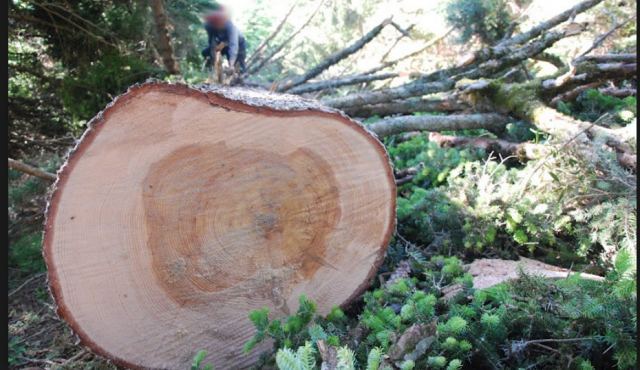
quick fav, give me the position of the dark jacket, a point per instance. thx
(232, 37)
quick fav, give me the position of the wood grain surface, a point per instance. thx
(181, 209)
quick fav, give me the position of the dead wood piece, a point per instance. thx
(622, 92)
(550, 58)
(30, 170)
(416, 88)
(397, 125)
(585, 73)
(328, 354)
(573, 94)
(407, 106)
(163, 233)
(488, 272)
(522, 151)
(607, 58)
(410, 338)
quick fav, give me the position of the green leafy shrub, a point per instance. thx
(592, 105)
(525, 322)
(197, 361)
(435, 162)
(93, 86)
(564, 208)
(487, 19)
(25, 254)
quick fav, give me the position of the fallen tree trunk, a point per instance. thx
(30, 170)
(397, 125)
(182, 209)
(522, 101)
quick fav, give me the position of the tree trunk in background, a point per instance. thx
(162, 235)
(162, 37)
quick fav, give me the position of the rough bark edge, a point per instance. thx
(257, 102)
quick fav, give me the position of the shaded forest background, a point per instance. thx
(481, 173)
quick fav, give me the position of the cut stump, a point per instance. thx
(181, 209)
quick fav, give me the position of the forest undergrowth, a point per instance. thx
(455, 205)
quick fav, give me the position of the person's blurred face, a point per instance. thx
(217, 19)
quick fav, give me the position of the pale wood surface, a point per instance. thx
(181, 210)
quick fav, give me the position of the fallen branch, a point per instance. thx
(407, 106)
(573, 94)
(607, 58)
(25, 283)
(618, 92)
(335, 58)
(403, 33)
(396, 125)
(30, 170)
(258, 52)
(589, 72)
(522, 151)
(338, 82)
(275, 51)
(551, 59)
(410, 55)
(544, 26)
(415, 88)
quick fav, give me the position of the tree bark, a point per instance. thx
(407, 106)
(397, 125)
(162, 35)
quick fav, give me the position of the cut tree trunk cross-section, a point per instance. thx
(182, 209)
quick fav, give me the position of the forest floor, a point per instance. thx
(39, 339)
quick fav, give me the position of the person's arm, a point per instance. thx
(234, 41)
(209, 33)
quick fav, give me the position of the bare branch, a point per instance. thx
(407, 106)
(344, 81)
(415, 88)
(396, 125)
(522, 151)
(544, 26)
(276, 50)
(335, 57)
(258, 52)
(30, 170)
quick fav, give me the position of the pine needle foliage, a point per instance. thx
(530, 321)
